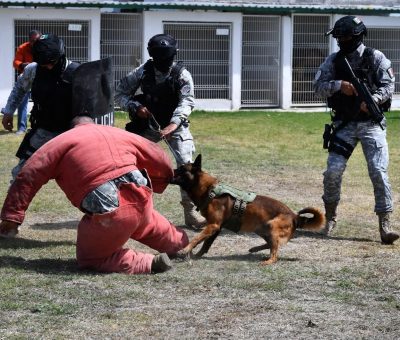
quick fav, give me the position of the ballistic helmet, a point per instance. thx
(48, 49)
(348, 26)
(162, 46)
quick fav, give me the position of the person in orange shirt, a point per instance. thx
(23, 56)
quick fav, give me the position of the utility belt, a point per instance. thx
(105, 199)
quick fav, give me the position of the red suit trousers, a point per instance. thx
(101, 237)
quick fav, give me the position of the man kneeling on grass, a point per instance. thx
(109, 174)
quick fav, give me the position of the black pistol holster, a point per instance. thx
(334, 143)
(25, 149)
(327, 136)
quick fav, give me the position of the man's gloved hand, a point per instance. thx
(348, 88)
(8, 122)
(143, 112)
(8, 229)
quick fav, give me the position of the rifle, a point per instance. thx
(374, 110)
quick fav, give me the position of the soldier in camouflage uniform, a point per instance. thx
(351, 120)
(162, 89)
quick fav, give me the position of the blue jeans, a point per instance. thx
(23, 113)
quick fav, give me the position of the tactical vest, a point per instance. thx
(52, 97)
(348, 107)
(161, 99)
(241, 199)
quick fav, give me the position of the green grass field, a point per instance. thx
(344, 286)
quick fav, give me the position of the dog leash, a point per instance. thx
(158, 129)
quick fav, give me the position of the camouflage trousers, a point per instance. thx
(375, 148)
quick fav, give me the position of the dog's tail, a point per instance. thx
(310, 223)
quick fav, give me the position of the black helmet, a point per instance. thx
(348, 26)
(48, 49)
(162, 46)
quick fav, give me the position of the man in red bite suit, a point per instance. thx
(109, 174)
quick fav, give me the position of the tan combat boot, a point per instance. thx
(388, 236)
(330, 216)
(192, 217)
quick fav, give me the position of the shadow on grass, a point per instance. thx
(45, 266)
(250, 257)
(55, 225)
(3, 132)
(315, 235)
(19, 242)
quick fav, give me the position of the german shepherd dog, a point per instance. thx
(265, 216)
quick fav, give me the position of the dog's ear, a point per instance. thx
(197, 162)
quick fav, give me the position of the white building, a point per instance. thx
(242, 54)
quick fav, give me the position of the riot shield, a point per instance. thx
(93, 90)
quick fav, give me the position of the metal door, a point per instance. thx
(205, 49)
(310, 48)
(260, 61)
(121, 39)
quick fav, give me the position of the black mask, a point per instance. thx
(350, 45)
(163, 65)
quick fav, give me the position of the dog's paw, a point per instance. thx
(268, 262)
(183, 255)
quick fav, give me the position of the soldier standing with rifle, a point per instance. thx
(358, 83)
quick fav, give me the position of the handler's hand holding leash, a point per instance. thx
(164, 133)
(143, 112)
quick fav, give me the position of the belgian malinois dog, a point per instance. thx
(265, 216)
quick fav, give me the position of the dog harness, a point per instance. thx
(242, 198)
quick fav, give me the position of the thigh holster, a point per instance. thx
(340, 147)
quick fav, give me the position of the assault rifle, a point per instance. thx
(374, 110)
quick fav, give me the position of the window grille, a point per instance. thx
(121, 39)
(387, 40)
(205, 49)
(260, 61)
(75, 34)
(310, 48)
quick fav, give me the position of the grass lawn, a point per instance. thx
(343, 286)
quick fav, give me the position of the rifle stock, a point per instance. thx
(374, 110)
